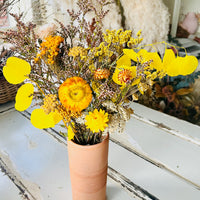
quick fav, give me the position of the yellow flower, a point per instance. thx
(24, 97)
(123, 74)
(75, 94)
(41, 120)
(124, 60)
(50, 48)
(57, 117)
(182, 66)
(16, 70)
(101, 74)
(70, 133)
(172, 65)
(97, 120)
(157, 63)
(50, 103)
(76, 51)
(141, 56)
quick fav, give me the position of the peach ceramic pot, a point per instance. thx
(88, 170)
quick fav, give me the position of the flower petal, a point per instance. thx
(16, 70)
(169, 56)
(24, 97)
(70, 133)
(156, 60)
(124, 60)
(189, 65)
(118, 70)
(182, 66)
(57, 117)
(131, 54)
(40, 120)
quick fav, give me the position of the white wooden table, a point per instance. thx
(157, 157)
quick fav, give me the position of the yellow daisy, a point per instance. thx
(16, 70)
(97, 120)
(24, 97)
(75, 94)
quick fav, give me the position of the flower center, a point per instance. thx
(124, 76)
(77, 93)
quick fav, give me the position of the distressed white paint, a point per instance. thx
(40, 160)
(175, 17)
(164, 165)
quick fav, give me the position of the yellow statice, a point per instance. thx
(50, 103)
(117, 36)
(16, 70)
(95, 87)
(121, 37)
(135, 41)
(102, 51)
(97, 120)
(49, 49)
(78, 51)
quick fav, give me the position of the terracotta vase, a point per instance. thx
(88, 170)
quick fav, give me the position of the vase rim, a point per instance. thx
(105, 138)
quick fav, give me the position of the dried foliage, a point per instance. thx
(5, 5)
(83, 75)
(174, 96)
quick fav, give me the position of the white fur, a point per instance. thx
(150, 16)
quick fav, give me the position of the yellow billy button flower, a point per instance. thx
(75, 94)
(97, 120)
(41, 120)
(24, 97)
(16, 70)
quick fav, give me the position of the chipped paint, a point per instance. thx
(167, 129)
(131, 187)
(136, 149)
(28, 190)
(158, 164)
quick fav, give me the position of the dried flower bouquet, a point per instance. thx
(83, 76)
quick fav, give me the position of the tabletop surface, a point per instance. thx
(157, 157)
